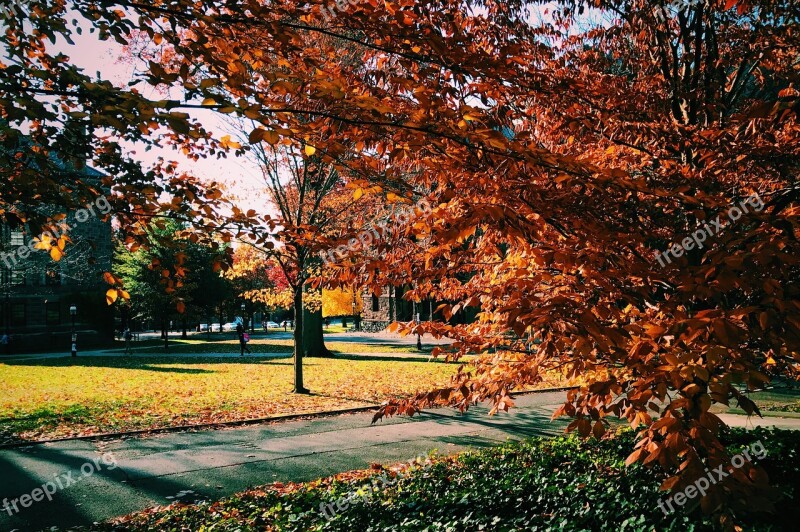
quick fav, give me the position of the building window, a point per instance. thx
(17, 238)
(18, 315)
(53, 313)
(18, 278)
(376, 303)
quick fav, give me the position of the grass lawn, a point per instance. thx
(64, 397)
(781, 398)
(541, 484)
(332, 329)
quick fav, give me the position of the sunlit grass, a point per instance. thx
(59, 397)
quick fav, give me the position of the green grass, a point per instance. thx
(58, 397)
(783, 396)
(335, 329)
(790, 407)
(540, 484)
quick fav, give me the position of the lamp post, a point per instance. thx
(419, 337)
(73, 311)
(356, 314)
(7, 312)
(244, 314)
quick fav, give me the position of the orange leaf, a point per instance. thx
(111, 296)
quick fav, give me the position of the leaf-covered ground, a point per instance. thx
(63, 397)
(540, 484)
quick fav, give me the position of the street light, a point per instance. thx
(7, 312)
(244, 314)
(73, 311)
(419, 338)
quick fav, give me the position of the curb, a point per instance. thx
(198, 426)
(545, 390)
(240, 423)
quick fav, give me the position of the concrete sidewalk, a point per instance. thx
(375, 339)
(210, 464)
(412, 357)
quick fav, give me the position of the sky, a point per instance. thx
(239, 174)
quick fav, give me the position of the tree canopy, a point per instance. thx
(563, 157)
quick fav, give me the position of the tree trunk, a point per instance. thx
(298, 340)
(313, 337)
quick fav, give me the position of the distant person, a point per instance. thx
(128, 336)
(243, 337)
(285, 324)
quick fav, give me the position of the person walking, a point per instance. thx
(243, 337)
(127, 335)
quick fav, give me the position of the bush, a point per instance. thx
(540, 484)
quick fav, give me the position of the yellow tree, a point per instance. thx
(250, 275)
(339, 302)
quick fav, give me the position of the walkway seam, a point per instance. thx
(240, 423)
(299, 456)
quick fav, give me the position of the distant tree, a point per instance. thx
(172, 278)
(339, 302)
(251, 276)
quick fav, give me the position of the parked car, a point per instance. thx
(270, 325)
(215, 327)
(230, 326)
(203, 327)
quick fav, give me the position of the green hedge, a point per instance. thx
(539, 484)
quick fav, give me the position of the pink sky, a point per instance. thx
(239, 174)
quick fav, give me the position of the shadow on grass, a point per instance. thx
(147, 363)
(366, 402)
(367, 357)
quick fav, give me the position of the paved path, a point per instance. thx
(399, 355)
(211, 464)
(216, 463)
(374, 339)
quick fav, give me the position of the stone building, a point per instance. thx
(37, 292)
(379, 311)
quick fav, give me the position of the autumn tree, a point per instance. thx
(251, 277)
(172, 278)
(340, 301)
(563, 160)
